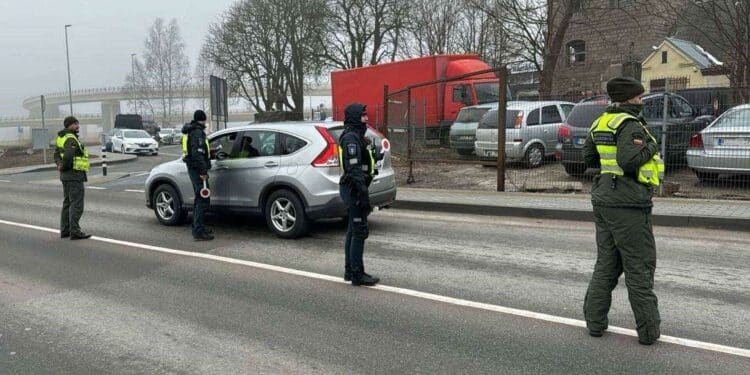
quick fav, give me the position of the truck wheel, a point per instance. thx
(168, 206)
(285, 214)
(706, 176)
(534, 156)
(465, 151)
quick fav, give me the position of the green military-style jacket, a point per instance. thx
(634, 149)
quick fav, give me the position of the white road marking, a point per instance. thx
(135, 191)
(96, 188)
(408, 292)
(6, 181)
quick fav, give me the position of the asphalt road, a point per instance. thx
(92, 307)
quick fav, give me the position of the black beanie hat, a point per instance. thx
(622, 89)
(199, 115)
(70, 120)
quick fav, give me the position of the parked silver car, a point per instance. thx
(723, 147)
(286, 172)
(530, 131)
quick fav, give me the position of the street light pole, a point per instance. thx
(132, 67)
(67, 55)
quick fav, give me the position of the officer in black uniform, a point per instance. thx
(198, 160)
(358, 163)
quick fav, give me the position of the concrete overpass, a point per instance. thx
(110, 98)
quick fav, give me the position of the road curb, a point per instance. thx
(724, 223)
(51, 167)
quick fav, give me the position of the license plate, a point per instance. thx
(580, 141)
(736, 142)
(492, 154)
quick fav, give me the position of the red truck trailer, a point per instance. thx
(435, 106)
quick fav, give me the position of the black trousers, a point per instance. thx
(200, 204)
(356, 233)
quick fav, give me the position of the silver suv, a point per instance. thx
(286, 172)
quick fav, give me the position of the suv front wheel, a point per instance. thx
(285, 214)
(168, 206)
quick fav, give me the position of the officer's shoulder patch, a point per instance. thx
(351, 149)
(637, 141)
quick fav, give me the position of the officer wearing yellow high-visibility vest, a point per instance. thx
(197, 156)
(72, 162)
(357, 161)
(620, 144)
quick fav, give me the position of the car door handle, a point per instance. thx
(271, 164)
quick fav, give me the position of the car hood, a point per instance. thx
(139, 140)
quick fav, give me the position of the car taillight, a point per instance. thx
(696, 141)
(563, 133)
(519, 120)
(330, 155)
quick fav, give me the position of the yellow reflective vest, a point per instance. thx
(80, 163)
(604, 134)
(185, 145)
(370, 171)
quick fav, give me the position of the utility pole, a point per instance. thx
(67, 55)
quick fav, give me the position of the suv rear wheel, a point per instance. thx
(168, 206)
(285, 214)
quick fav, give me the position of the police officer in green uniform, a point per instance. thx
(358, 163)
(72, 162)
(620, 145)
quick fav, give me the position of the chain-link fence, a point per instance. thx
(441, 141)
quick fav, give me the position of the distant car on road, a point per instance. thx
(170, 136)
(286, 172)
(129, 141)
(723, 147)
(530, 131)
(683, 121)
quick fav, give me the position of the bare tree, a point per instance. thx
(267, 47)
(203, 71)
(363, 32)
(164, 71)
(434, 26)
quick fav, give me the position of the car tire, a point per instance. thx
(108, 147)
(122, 149)
(279, 208)
(168, 206)
(706, 176)
(534, 157)
(574, 170)
(465, 151)
(155, 153)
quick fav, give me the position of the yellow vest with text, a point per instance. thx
(650, 173)
(80, 163)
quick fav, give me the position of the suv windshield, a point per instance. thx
(471, 114)
(583, 115)
(487, 92)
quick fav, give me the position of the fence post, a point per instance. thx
(424, 121)
(501, 113)
(410, 178)
(385, 110)
(665, 116)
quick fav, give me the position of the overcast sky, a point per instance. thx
(103, 35)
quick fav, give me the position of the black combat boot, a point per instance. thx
(361, 278)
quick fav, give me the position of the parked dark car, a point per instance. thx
(683, 121)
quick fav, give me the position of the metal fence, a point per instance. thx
(703, 134)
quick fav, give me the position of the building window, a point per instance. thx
(580, 5)
(576, 52)
(663, 57)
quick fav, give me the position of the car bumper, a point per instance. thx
(141, 150)
(337, 208)
(719, 162)
(488, 150)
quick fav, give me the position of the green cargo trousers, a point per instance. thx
(72, 208)
(625, 242)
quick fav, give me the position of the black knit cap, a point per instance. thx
(622, 89)
(199, 115)
(70, 120)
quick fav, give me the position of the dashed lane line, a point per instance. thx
(6, 181)
(96, 188)
(135, 191)
(402, 291)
